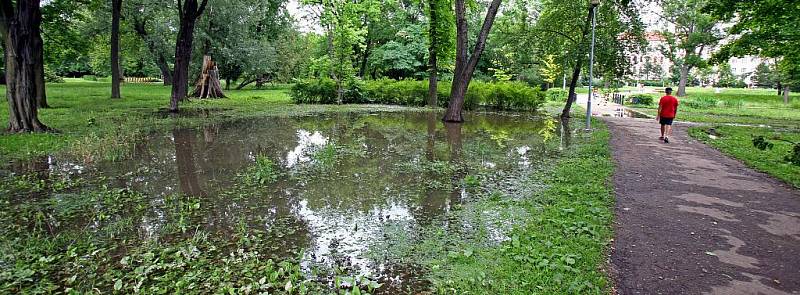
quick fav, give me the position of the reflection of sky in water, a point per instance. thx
(340, 214)
(306, 141)
(335, 235)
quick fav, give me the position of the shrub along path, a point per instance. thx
(690, 220)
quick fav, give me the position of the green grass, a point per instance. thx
(737, 142)
(733, 105)
(562, 248)
(92, 126)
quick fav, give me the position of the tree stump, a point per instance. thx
(208, 85)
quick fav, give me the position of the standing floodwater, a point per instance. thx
(340, 194)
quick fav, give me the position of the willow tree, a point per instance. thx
(22, 41)
(465, 64)
(188, 12)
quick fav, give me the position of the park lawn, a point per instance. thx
(91, 125)
(736, 106)
(737, 141)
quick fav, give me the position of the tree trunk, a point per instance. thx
(364, 58)
(41, 94)
(780, 88)
(21, 36)
(433, 84)
(334, 76)
(786, 95)
(571, 95)
(140, 26)
(189, 12)
(208, 85)
(576, 72)
(682, 82)
(465, 67)
(116, 12)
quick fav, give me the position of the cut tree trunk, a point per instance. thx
(208, 85)
(116, 76)
(21, 36)
(465, 66)
(683, 80)
(189, 11)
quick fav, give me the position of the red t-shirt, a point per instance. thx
(669, 106)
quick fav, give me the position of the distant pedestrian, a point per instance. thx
(667, 108)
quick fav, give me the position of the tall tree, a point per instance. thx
(465, 65)
(188, 12)
(696, 32)
(146, 17)
(439, 29)
(20, 29)
(116, 76)
(763, 28)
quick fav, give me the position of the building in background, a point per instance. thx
(652, 65)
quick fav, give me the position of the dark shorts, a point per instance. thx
(666, 121)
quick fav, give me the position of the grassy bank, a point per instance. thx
(561, 248)
(737, 142)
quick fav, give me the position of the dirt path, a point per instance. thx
(690, 220)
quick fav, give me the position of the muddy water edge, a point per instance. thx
(290, 204)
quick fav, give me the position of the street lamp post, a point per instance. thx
(591, 66)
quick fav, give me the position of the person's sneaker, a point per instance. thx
(666, 140)
(661, 138)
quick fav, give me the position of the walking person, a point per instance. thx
(667, 108)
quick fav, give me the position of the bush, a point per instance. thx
(641, 99)
(50, 76)
(556, 94)
(701, 103)
(314, 91)
(90, 78)
(499, 95)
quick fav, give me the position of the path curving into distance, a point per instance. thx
(690, 220)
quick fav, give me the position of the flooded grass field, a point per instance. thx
(363, 202)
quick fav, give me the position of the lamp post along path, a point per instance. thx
(591, 66)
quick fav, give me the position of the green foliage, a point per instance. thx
(50, 76)
(557, 94)
(263, 171)
(641, 99)
(794, 155)
(498, 95)
(702, 102)
(733, 103)
(314, 91)
(761, 143)
(90, 78)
